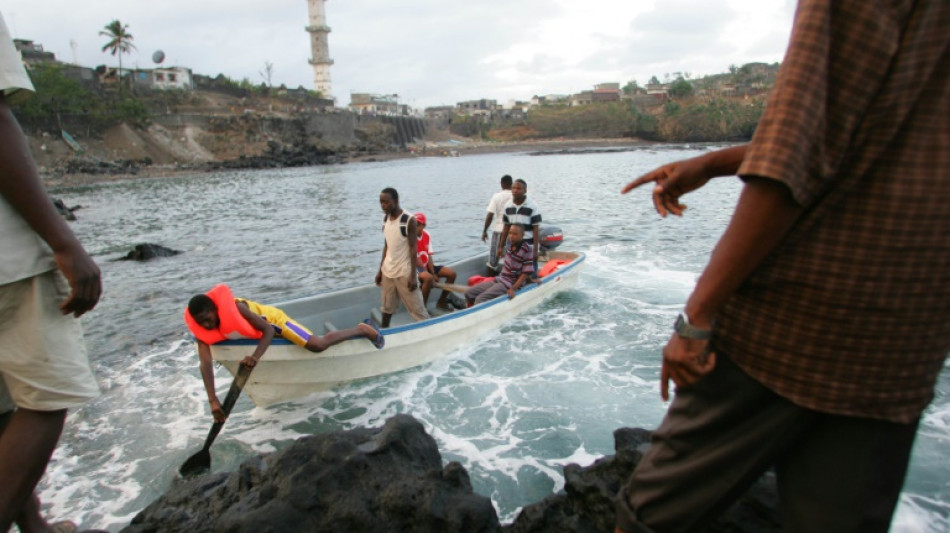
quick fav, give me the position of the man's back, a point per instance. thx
(849, 315)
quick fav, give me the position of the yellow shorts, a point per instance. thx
(293, 332)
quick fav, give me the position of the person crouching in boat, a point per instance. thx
(517, 269)
(218, 315)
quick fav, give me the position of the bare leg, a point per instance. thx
(26, 445)
(427, 282)
(318, 343)
(449, 275)
(386, 318)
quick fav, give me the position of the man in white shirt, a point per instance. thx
(494, 218)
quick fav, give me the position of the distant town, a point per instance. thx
(743, 81)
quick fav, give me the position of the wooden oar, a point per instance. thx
(451, 287)
(201, 461)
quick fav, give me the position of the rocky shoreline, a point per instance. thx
(79, 171)
(393, 478)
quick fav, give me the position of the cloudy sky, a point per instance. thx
(429, 52)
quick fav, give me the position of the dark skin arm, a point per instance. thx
(267, 335)
(206, 362)
(488, 218)
(680, 177)
(502, 239)
(22, 189)
(764, 214)
(411, 238)
(517, 285)
(379, 273)
(536, 231)
(207, 376)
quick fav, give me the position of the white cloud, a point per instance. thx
(429, 52)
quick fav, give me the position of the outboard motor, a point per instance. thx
(551, 238)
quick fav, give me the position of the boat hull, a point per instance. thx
(288, 371)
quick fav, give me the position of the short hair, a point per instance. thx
(392, 193)
(506, 181)
(201, 303)
(523, 182)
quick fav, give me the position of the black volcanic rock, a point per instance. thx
(391, 479)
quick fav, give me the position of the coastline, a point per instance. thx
(54, 179)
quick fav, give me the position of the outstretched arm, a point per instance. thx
(764, 215)
(678, 178)
(207, 375)
(267, 335)
(22, 189)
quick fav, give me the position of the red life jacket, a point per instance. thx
(231, 325)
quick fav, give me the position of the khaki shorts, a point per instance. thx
(396, 289)
(43, 363)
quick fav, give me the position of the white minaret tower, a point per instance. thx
(321, 61)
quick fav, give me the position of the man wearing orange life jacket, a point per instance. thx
(218, 315)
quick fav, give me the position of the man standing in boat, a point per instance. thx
(495, 220)
(521, 211)
(398, 270)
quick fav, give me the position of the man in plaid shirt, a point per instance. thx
(815, 335)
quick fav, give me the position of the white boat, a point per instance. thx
(288, 371)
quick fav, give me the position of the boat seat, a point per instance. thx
(377, 315)
(329, 326)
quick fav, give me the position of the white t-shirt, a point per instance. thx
(496, 206)
(22, 252)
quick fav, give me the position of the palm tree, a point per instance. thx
(120, 42)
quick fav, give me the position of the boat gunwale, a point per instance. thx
(458, 314)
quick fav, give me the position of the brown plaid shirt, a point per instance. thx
(851, 313)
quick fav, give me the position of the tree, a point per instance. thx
(680, 89)
(120, 42)
(268, 72)
(631, 87)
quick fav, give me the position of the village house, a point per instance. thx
(376, 104)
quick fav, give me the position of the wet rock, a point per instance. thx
(589, 498)
(67, 212)
(146, 251)
(382, 479)
(392, 479)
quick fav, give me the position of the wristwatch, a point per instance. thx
(684, 329)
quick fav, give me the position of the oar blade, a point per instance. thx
(196, 464)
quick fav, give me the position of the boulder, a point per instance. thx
(392, 479)
(146, 251)
(383, 479)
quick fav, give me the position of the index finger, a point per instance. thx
(646, 178)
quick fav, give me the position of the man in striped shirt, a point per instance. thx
(520, 210)
(519, 266)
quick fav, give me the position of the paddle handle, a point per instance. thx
(239, 380)
(451, 287)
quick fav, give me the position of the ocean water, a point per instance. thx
(547, 389)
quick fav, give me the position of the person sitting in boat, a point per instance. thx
(218, 315)
(518, 268)
(429, 272)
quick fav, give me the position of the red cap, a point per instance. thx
(421, 218)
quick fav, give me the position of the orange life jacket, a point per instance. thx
(551, 266)
(231, 325)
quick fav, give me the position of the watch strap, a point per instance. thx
(684, 329)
